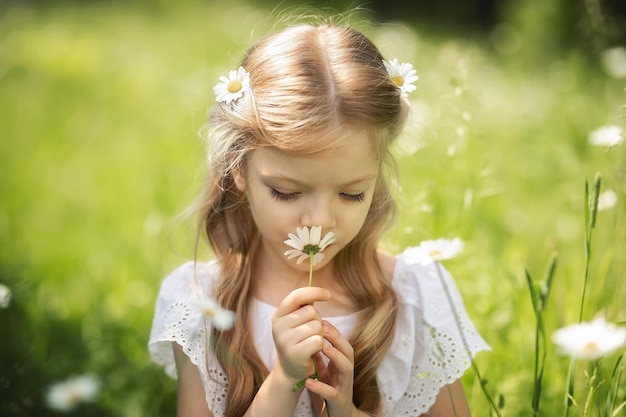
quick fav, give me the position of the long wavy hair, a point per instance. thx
(308, 83)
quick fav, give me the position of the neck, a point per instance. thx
(275, 278)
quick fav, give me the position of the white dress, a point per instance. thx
(431, 346)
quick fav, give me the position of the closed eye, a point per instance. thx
(357, 198)
(283, 196)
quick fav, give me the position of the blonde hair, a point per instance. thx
(308, 84)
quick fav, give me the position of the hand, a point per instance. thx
(298, 333)
(337, 378)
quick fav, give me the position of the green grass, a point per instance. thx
(99, 108)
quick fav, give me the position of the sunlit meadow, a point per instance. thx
(99, 109)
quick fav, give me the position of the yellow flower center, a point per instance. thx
(398, 80)
(234, 86)
(209, 312)
(434, 253)
(591, 347)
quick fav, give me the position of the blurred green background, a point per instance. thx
(100, 103)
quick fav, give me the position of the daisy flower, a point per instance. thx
(220, 318)
(5, 296)
(591, 340)
(609, 136)
(67, 395)
(308, 244)
(430, 251)
(607, 200)
(402, 74)
(233, 87)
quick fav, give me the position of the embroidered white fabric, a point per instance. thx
(433, 343)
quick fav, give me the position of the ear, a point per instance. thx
(240, 179)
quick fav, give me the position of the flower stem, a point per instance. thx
(569, 390)
(310, 270)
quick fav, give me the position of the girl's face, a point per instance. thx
(332, 189)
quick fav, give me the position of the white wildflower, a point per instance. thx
(66, 395)
(5, 296)
(607, 200)
(614, 61)
(219, 317)
(608, 136)
(430, 251)
(590, 340)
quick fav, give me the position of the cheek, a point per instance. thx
(353, 219)
(271, 218)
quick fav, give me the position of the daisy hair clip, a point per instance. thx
(232, 88)
(402, 74)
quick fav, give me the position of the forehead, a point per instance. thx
(351, 158)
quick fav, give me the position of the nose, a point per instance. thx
(319, 212)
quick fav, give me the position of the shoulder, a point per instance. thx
(189, 277)
(434, 338)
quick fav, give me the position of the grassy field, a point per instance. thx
(99, 109)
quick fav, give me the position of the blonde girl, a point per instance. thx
(299, 141)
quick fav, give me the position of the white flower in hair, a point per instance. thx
(402, 74)
(233, 87)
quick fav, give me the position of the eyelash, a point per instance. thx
(282, 196)
(357, 198)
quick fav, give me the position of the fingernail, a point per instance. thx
(327, 294)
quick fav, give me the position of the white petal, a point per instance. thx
(292, 253)
(303, 234)
(327, 240)
(223, 319)
(294, 242)
(317, 258)
(316, 233)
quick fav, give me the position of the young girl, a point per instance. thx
(299, 141)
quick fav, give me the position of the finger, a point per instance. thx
(310, 346)
(295, 335)
(299, 298)
(299, 317)
(338, 362)
(338, 342)
(322, 389)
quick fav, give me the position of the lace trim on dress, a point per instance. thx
(175, 320)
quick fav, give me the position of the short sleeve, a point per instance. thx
(434, 340)
(176, 320)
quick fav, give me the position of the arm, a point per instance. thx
(275, 392)
(191, 397)
(451, 401)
